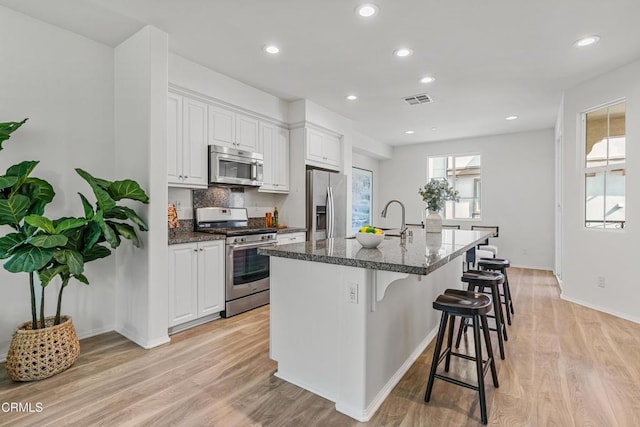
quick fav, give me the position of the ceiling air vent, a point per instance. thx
(423, 98)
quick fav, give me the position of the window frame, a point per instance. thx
(479, 198)
(584, 169)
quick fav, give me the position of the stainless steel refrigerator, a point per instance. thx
(326, 205)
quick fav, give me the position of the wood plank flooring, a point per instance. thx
(566, 365)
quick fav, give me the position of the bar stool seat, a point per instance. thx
(458, 303)
(478, 280)
(501, 265)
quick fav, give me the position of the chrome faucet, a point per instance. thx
(403, 227)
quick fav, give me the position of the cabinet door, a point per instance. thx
(247, 131)
(222, 126)
(314, 143)
(282, 160)
(332, 149)
(268, 149)
(194, 143)
(174, 138)
(210, 277)
(183, 283)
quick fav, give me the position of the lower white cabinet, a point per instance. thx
(284, 238)
(196, 280)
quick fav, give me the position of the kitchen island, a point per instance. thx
(348, 322)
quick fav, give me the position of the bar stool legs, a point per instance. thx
(478, 280)
(500, 265)
(465, 305)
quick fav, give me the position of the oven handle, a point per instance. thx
(251, 245)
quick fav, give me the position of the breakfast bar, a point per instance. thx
(348, 322)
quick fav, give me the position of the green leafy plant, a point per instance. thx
(61, 247)
(436, 192)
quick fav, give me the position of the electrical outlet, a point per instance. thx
(352, 293)
(601, 281)
(525, 251)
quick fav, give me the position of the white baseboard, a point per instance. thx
(602, 309)
(142, 342)
(290, 379)
(371, 409)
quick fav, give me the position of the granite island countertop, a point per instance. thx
(419, 254)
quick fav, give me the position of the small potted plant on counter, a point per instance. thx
(435, 193)
(56, 248)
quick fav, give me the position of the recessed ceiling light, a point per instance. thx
(272, 49)
(587, 41)
(367, 10)
(352, 97)
(511, 118)
(403, 52)
(427, 79)
(409, 132)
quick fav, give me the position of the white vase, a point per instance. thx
(433, 222)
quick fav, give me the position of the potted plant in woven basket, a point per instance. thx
(47, 249)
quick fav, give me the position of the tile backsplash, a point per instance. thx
(257, 203)
(219, 196)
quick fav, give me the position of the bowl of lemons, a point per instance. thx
(369, 237)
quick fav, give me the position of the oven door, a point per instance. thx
(232, 169)
(247, 271)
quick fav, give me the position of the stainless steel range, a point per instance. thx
(247, 273)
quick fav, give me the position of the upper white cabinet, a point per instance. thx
(186, 142)
(274, 146)
(232, 129)
(322, 149)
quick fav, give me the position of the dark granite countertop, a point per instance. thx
(420, 254)
(186, 235)
(189, 236)
(291, 230)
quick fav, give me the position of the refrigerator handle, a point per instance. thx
(330, 212)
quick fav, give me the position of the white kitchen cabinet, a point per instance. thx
(322, 149)
(186, 142)
(284, 238)
(232, 129)
(196, 280)
(274, 146)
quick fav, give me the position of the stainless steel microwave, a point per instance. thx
(231, 166)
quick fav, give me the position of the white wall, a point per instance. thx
(140, 146)
(64, 83)
(517, 190)
(589, 254)
(195, 77)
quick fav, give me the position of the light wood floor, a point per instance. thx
(565, 366)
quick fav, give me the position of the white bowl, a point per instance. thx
(369, 240)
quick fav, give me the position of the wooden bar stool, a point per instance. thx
(478, 280)
(465, 304)
(501, 265)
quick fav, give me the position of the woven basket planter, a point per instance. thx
(36, 354)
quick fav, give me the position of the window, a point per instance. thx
(604, 166)
(361, 186)
(463, 173)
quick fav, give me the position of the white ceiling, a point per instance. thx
(491, 58)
